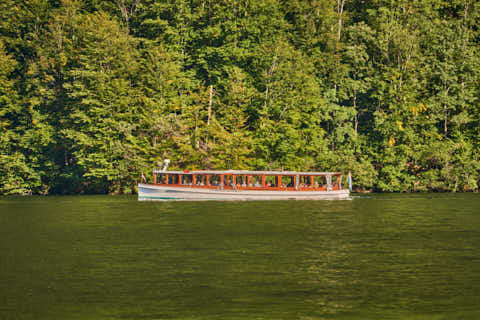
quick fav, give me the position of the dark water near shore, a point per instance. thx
(374, 257)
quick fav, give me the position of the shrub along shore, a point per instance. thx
(93, 93)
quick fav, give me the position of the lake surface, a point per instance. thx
(110, 257)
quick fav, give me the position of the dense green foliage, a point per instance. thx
(95, 92)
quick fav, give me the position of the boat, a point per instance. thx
(195, 185)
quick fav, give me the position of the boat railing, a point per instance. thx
(319, 188)
(271, 182)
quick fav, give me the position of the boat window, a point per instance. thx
(255, 181)
(201, 180)
(304, 182)
(161, 178)
(241, 181)
(288, 182)
(319, 181)
(271, 181)
(186, 179)
(244, 181)
(214, 180)
(336, 180)
(227, 180)
(173, 179)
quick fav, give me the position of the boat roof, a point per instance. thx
(253, 173)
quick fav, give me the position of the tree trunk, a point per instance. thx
(127, 12)
(340, 5)
(356, 112)
(445, 129)
(210, 100)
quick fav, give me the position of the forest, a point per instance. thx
(93, 93)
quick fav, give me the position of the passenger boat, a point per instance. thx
(243, 185)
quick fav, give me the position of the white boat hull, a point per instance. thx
(167, 193)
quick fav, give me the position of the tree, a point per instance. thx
(24, 134)
(105, 109)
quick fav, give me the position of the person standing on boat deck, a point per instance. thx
(144, 179)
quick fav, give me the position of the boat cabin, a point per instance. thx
(250, 180)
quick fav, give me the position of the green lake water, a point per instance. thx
(111, 257)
